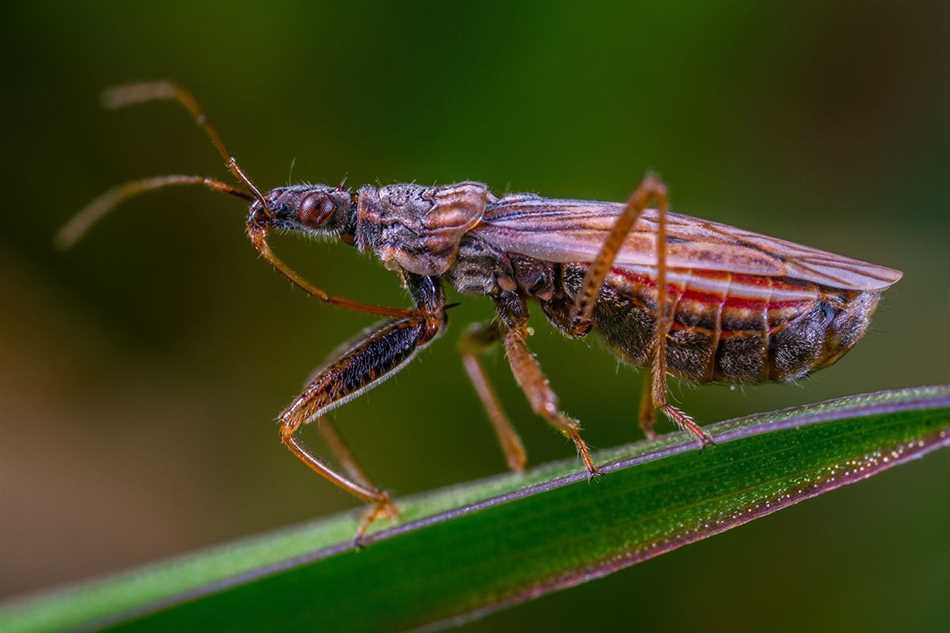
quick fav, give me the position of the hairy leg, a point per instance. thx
(366, 362)
(513, 313)
(678, 416)
(647, 414)
(651, 189)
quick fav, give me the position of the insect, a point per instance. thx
(680, 296)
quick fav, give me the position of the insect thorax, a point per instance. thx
(418, 228)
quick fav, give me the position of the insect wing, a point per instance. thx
(573, 231)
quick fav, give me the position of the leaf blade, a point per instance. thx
(471, 549)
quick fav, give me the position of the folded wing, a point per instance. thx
(573, 231)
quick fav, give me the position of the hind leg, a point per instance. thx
(647, 414)
(650, 190)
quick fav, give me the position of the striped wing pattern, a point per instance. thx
(573, 231)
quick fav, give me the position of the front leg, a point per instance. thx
(373, 357)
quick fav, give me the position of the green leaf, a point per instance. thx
(467, 550)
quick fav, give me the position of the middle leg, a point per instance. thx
(647, 410)
(530, 377)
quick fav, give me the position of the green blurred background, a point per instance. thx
(140, 373)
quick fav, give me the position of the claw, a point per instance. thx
(686, 423)
(584, 452)
(593, 473)
(704, 439)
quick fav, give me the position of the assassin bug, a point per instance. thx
(678, 295)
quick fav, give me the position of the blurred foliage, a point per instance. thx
(140, 373)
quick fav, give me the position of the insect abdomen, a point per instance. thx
(729, 328)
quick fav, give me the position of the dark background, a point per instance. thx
(140, 373)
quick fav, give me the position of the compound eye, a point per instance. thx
(316, 209)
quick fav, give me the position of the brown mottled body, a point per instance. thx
(695, 299)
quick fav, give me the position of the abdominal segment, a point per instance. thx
(728, 327)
